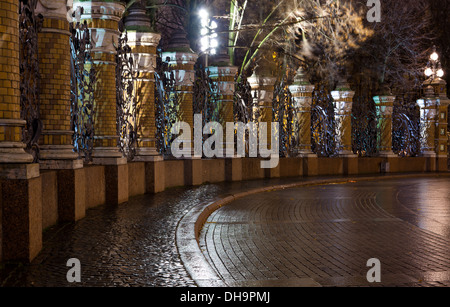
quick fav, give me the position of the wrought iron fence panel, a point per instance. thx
(406, 126)
(284, 113)
(83, 79)
(167, 105)
(323, 142)
(30, 25)
(126, 75)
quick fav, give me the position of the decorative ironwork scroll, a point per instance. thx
(167, 105)
(406, 127)
(364, 126)
(243, 101)
(83, 79)
(126, 99)
(283, 113)
(206, 98)
(29, 26)
(323, 142)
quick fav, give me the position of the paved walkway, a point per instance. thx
(324, 235)
(305, 236)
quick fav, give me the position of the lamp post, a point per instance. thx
(208, 35)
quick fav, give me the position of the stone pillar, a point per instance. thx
(302, 91)
(385, 108)
(443, 103)
(222, 72)
(103, 18)
(263, 88)
(343, 98)
(428, 114)
(143, 42)
(182, 61)
(20, 184)
(55, 144)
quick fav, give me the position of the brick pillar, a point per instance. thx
(11, 146)
(343, 98)
(222, 72)
(182, 61)
(443, 102)
(20, 184)
(385, 108)
(428, 112)
(302, 91)
(263, 88)
(143, 43)
(102, 18)
(56, 145)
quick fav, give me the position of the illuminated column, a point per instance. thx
(55, 145)
(440, 87)
(11, 124)
(222, 72)
(343, 98)
(143, 43)
(20, 184)
(182, 60)
(385, 108)
(428, 112)
(263, 88)
(102, 18)
(301, 91)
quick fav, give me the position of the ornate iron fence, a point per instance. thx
(406, 126)
(83, 79)
(29, 26)
(323, 141)
(167, 105)
(126, 99)
(284, 114)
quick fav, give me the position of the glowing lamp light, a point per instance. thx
(208, 39)
(440, 73)
(428, 72)
(434, 56)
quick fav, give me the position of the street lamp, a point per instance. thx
(434, 67)
(208, 35)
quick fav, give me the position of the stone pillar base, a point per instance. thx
(61, 164)
(146, 154)
(116, 183)
(310, 166)
(21, 201)
(233, 169)
(71, 195)
(13, 152)
(19, 171)
(351, 165)
(442, 163)
(155, 176)
(387, 154)
(193, 171)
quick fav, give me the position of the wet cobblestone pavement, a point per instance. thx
(133, 244)
(324, 235)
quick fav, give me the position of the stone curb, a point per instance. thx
(189, 227)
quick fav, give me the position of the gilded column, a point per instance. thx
(143, 42)
(302, 91)
(103, 18)
(343, 98)
(56, 145)
(428, 112)
(182, 60)
(385, 108)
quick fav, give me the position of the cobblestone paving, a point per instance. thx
(324, 235)
(132, 244)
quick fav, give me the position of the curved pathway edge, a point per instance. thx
(190, 226)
